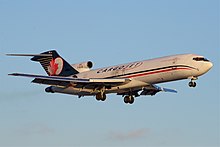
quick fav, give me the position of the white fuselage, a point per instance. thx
(145, 72)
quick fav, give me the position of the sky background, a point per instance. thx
(108, 33)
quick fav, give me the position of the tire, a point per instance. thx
(126, 99)
(131, 100)
(103, 97)
(191, 84)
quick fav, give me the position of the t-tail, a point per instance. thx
(52, 62)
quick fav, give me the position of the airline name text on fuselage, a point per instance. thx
(121, 67)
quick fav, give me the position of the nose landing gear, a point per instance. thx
(192, 83)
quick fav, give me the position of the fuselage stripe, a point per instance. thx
(155, 72)
(169, 68)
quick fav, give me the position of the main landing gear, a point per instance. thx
(101, 96)
(129, 99)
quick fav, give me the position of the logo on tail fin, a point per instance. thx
(55, 67)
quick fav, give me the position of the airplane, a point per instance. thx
(129, 80)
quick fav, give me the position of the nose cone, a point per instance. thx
(210, 65)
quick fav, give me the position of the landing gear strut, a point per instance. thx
(129, 99)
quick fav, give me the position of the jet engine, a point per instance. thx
(82, 67)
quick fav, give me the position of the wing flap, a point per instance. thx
(51, 82)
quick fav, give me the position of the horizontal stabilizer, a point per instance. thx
(30, 55)
(52, 62)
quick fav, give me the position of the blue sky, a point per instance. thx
(107, 33)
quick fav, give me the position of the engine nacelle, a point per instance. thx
(49, 89)
(82, 67)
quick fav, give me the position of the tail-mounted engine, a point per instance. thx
(82, 67)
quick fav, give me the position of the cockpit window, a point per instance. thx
(200, 59)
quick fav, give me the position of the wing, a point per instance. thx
(153, 89)
(150, 89)
(77, 82)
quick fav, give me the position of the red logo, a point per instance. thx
(55, 67)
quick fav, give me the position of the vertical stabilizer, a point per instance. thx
(54, 64)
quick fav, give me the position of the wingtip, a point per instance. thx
(13, 74)
(169, 90)
(175, 91)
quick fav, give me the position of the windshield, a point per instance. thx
(200, 59)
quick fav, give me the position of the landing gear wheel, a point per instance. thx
(192, 84)
(100, 96)
(103, 97)
(129, 99)
(126, 99)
